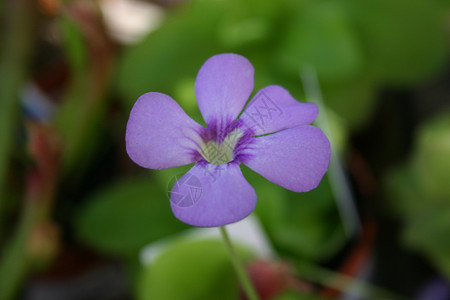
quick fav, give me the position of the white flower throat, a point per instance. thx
(221, 153)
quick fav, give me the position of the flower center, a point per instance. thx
(217, 153)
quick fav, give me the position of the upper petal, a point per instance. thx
(210, 195)
(273, 109)
(295, 158)
(159, 134)
(223, 85)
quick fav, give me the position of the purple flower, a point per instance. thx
(271, 137)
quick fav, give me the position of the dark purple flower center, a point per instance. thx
(224, 141)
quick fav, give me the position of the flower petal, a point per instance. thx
(159, 134)
(223, 85)
(295, 158)
(273, 109)
(210, 195)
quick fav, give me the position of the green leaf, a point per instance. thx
(320, 35)
(420, 193)
(403, 189)
(291, 295)
(124, 217)
(303, 224)
(429, 231)
(312, 226)
(272, 200)
(432, 157)
(353, 101)
(405, 39)
(172, 53)
(190, 270)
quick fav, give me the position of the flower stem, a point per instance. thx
(239, 268)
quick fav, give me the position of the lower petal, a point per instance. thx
(295, 158)
(210, 195)
(159, 134)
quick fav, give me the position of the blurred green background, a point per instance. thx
(76, 212)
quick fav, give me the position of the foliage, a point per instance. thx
(420, 193)
(206, 261)
(96, 199)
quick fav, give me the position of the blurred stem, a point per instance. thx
(344, 283)
(239, 268)
(19, 257)
(338, 178)
(15, 261)
(16, 46)
(91, 56)
(30, 246)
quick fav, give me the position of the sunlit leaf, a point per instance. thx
(190, 270)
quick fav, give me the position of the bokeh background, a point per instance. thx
(76, 212)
